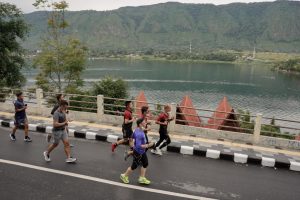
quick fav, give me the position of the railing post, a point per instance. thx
(100, 107)
(257, 128)
(39, 98)
(173, 114)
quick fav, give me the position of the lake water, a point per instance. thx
(248, 87)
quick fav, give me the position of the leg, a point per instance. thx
(166, 143)
(15, 129)
(142, 178)
(161, 139)
(26, 129)
(67, 148)
(51, 147)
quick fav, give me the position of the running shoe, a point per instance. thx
(156, 151)
(113, 147)
(71, 160)
(143, 180)
(12, 137)
(124, 178)
(71, 145)
(46, 156)
(27, 139)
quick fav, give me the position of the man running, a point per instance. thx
(59, 98)
(126, 127)
(59, 132)
(145, 115)
(20, 117)
(139, 155)
(163, 121)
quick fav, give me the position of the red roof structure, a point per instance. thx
(140, 102)
(184, 112)
(222, 117)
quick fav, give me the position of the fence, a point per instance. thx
(233, 126)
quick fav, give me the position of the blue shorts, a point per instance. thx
(20, 121)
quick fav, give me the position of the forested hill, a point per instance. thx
(270, 26)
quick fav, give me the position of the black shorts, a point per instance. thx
(127, 133)
(21, 121)
(139, 159)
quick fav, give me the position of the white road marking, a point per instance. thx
(100, 180)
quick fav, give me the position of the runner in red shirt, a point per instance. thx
(163, 121)
(126, 127)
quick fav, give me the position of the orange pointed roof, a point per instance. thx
(140, 102)
(223, 113)
(185, 110)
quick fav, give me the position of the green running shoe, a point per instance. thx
(124, 178)
(143, 180)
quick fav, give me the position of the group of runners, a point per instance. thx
(136, 139)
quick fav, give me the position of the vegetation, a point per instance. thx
(13, 29)
(271, 129)
(291, 65)
(109, 88)
(172, 27)
(62, 58)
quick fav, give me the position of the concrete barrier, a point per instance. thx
(90, 135)
(186, 150)
(210, 153)
(49, 129)
(32, 127)
(295, 166)
(267, 162)
(112, 138)
(240, 158)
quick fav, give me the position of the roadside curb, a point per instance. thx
(175, 147)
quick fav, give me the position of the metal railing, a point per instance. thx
(201, 117)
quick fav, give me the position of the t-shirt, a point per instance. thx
(139, 139)
(60, 117)
(128, 116)
(18, 105)
(163, 117)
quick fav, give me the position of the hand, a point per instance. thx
(25, 107)
(66, 123)
(172, 118)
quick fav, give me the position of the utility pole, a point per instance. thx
(190, 47)
(254, 52)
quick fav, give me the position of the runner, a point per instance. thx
(20, 117)
(59, 132)
(139, 154)
(145, 115)
(59, 97)
(126, 127)
(163, 121)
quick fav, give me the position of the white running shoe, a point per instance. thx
(47, 157)
(71, 160)
(156, 151)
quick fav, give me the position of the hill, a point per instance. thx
(270, 26)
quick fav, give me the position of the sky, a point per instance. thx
(74, 5)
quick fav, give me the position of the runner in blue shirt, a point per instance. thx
(139, 154)
(20, 117)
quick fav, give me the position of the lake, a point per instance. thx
(248, 87)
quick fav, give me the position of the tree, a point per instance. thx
(62, 58)
(113, 88)
(13, 30)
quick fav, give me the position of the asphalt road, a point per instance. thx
(190, 175)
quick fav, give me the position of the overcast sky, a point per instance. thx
(26, 5)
